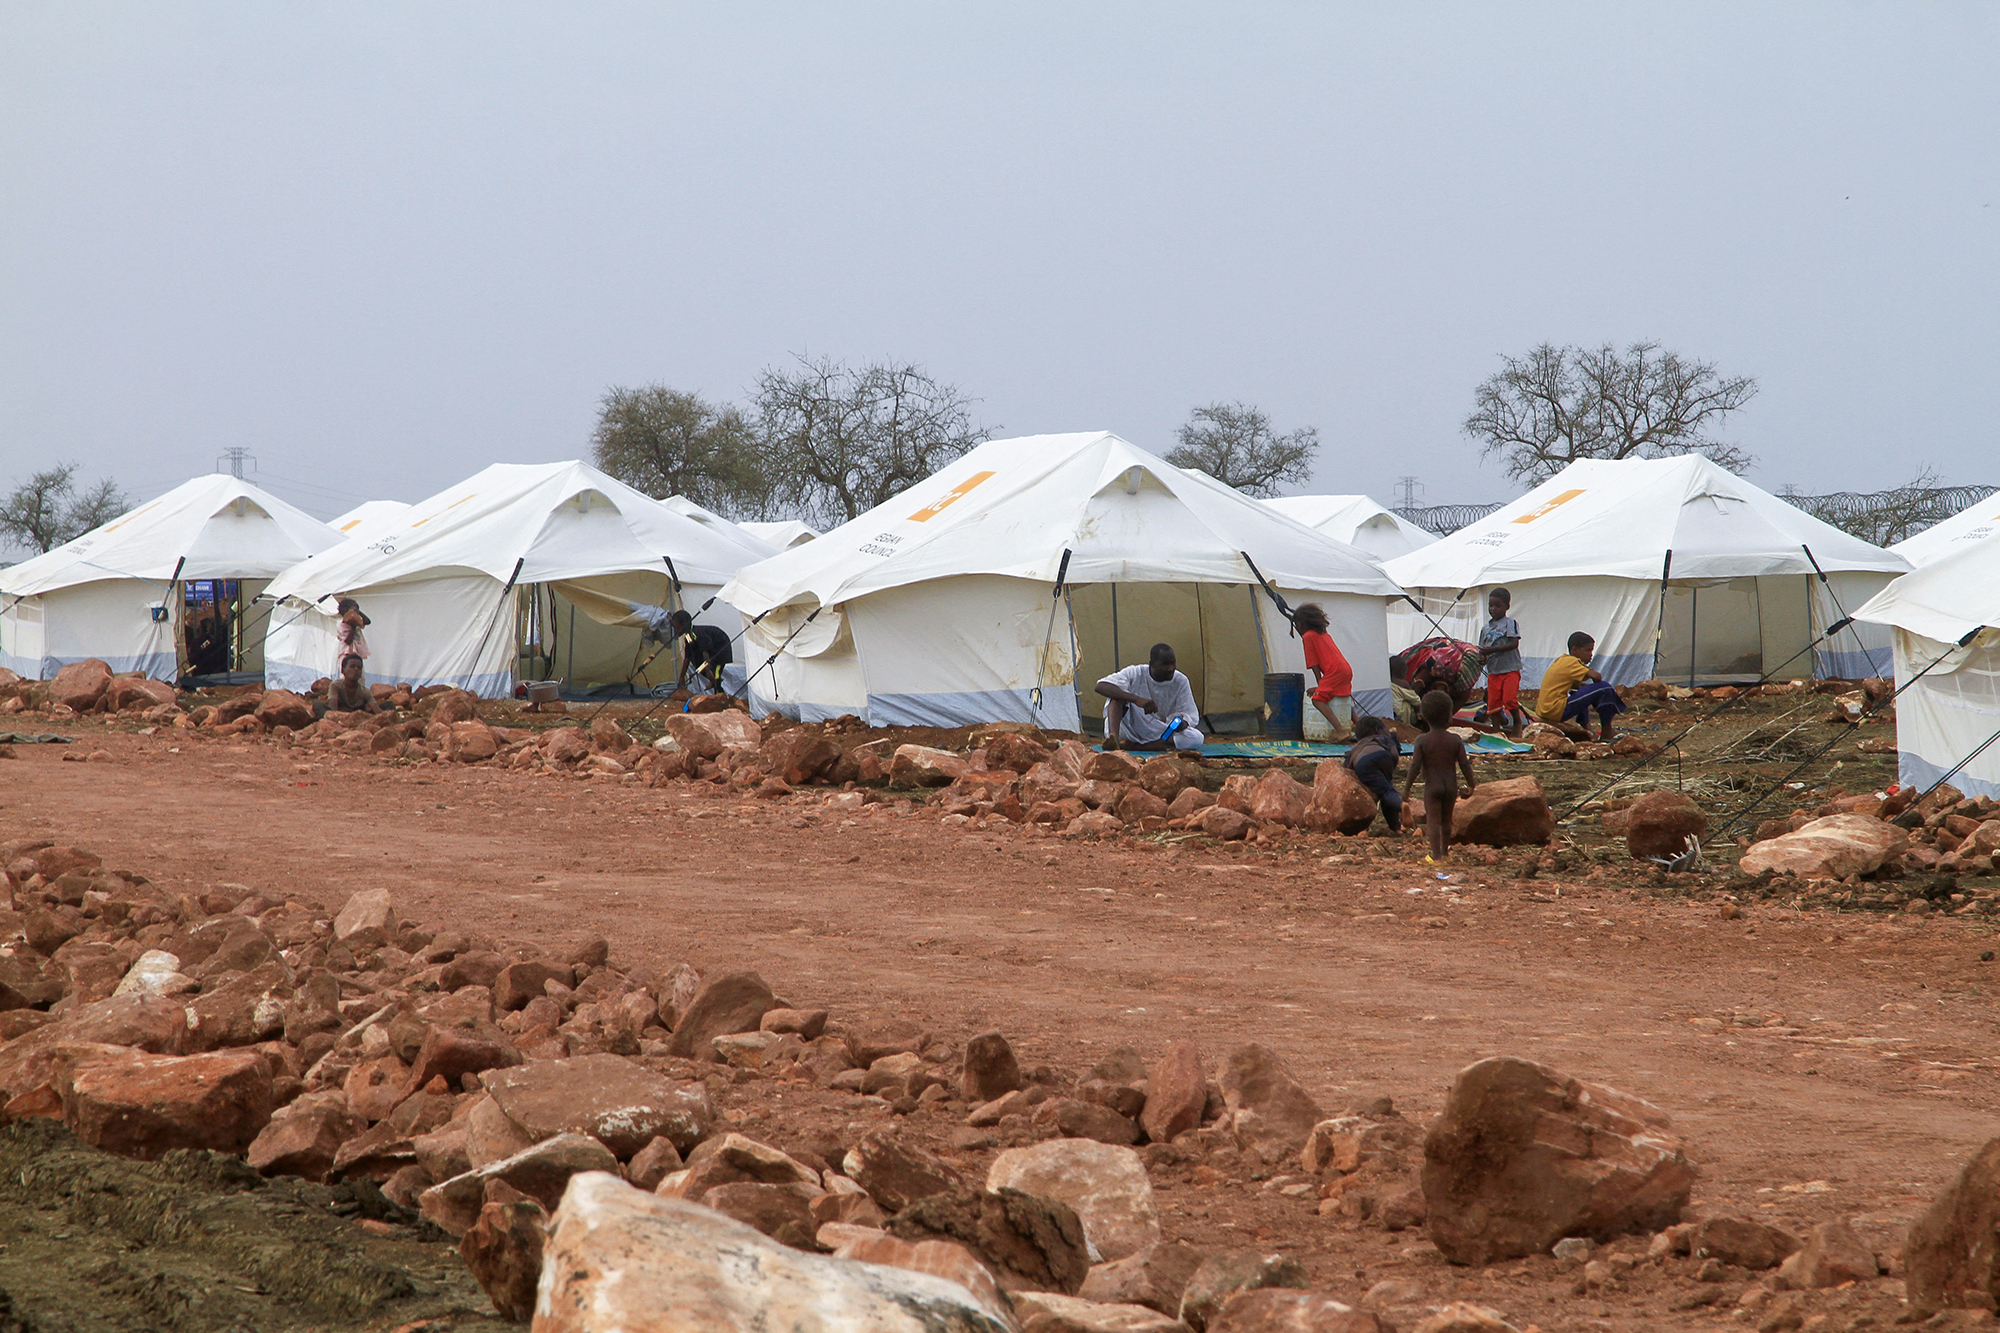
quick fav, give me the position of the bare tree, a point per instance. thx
(45, 511)
(838, 441)
(1234, 443)
(1546, 410)
(665, 442)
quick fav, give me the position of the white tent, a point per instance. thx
(938, 607)
(781, 533)
(368, 516)
(1950, 709)
(520, 571)
(1358, 521)
(1968, 527)
(1677, 568)
(127, 591)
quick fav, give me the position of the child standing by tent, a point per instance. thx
(1333, 693)
(1570, 689)
(1500, 649)
(347, 630)
(1439, 758)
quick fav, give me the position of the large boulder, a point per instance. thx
(1175, 1094)
(1524, 1156)
(1269, 1110)
(728, 1004)
(282, 708)
(1339, 804)
(897, 1172)
(1050, 1312)
(1507, 812)
(617, 1101)
(1661, 823)
(619, 1258)
(989, 1069)
(366, 920)
(471, 742)
(1951, 1255)
(1221, 1277)
(1030, 1243)
(140, 1105)
(80, 684)
(798, 756)
(540, 1171)
(1222, 823)
(1154, 1278)
(706, 735)
(503, 1250)
(1742, 1242)
(1833, 1255)
(1830, 848)
(1107, 1185)
(302, 1138)
(1279, 799)
(925, 766)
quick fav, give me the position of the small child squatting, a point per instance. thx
(1439, 758)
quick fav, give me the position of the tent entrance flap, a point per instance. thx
(1213, 629)
(585, 632)
(1724, 631)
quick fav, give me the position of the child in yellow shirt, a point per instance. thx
(1570, 689)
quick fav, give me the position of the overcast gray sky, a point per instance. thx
(384, 245)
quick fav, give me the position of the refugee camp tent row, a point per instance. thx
(1946, 621)
(1358, 520)
(519, 572)
(781, 533)
(1970, 526)
(173, 580)
(1680, 570)
(1005, 585)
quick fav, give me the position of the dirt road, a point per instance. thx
(1855, 1050)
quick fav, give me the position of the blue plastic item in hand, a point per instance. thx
(1173, 727)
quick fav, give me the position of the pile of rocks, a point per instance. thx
(1852, 850)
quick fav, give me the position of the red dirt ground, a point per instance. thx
(1851, 1054)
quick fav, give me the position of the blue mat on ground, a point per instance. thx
(1260, 748)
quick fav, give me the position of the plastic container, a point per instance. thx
(1317, 727)
(1284, 705)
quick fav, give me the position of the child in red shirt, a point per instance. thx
(1333, 694)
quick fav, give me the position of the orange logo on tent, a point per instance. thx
(949, 498)
(1562, 499)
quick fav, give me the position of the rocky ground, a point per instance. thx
(1822, 1048)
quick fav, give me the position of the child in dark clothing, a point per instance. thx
(1372, 759)
(1439, 758)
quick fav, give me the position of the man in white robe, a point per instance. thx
(1142, 702)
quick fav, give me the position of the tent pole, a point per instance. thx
(1660, 625)
(1048, 634)
(1834, 597)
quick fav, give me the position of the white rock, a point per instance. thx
(620, 1260)
(1069, 1312)
(156, 972)
(1104, 1183)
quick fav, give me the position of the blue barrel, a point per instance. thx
(1285, 706)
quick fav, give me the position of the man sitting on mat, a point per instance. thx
(1570, 690)
(1150, 707)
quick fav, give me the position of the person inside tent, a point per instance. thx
(1150, 706)
(1333, 691)
(705, 650)
(1570, 690)
(348, 694)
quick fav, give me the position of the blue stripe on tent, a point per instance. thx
(955, 710)
(1913, 770)
(1854, 664)
(1619, 669)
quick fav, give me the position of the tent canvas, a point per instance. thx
(1950, 705)
(368, 516)
(1968, 527)
(939, 606)
(120, 592)
(519, 571)
(1679, 570)
(781, 533)
(1358, 520)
